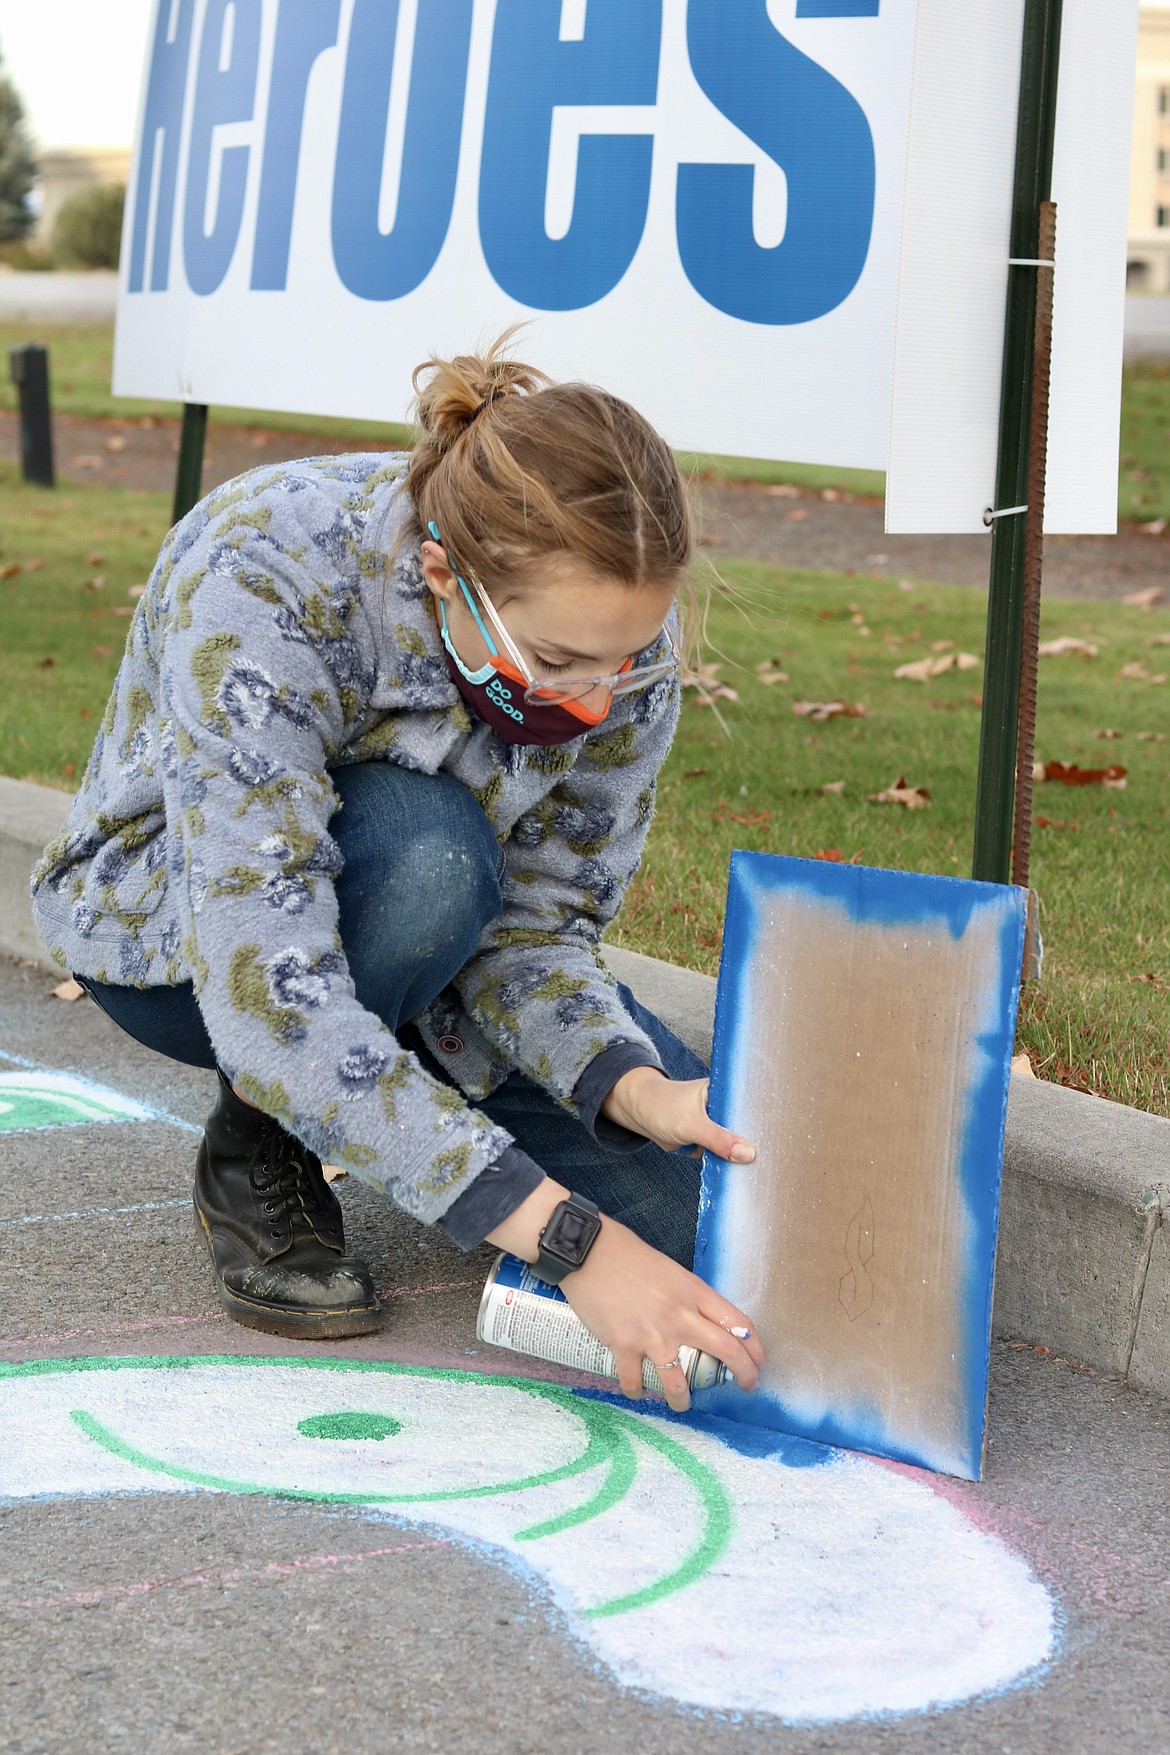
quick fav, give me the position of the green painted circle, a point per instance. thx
(349, 1425)
(375, 1426)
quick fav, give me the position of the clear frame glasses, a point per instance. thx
(570, 688)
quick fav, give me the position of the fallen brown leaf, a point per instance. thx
(1152, 980)
(832, 788)
(102, 651)
(35, 565)
(783, 490)
(1145, 599)
(117, 443)
(136, 591)
(693, 773)
(706, 681)
(333, 1172)
(905, 584)
(798, 516)
(943, 646)
(1053, 823)
(10, 571)
(87, 462)
(46, 664)
(1138, 671)
(923, 669)
(1069, 774)
(1159, 640)
(96, 559)
(750, 819)
(1154, 528)
(1151, 737)
(1022, 1066)
(769, 672)
(901, 792)
(1068, 646)
(97, 584)
(1109, 735)
(820, 711)
(830, 856)
(69, 990)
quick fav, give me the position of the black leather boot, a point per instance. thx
(273, 1229)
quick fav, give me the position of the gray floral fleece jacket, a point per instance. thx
(274, 643)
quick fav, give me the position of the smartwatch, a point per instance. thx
(567, 1239)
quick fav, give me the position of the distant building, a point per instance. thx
(1148, 262)
(65, 170)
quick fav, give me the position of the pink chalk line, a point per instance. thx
(85, 1599)
(154, 1323)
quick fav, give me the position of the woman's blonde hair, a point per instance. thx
(516, 471)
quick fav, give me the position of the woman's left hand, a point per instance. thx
(672, 1113)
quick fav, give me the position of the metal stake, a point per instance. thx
(30, 373)
(189, 476)
(999, 734)
(1034, 547)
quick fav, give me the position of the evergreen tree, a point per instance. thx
(18, 165)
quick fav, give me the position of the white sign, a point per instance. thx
(954, 271)
(707, 205)
(697, 201)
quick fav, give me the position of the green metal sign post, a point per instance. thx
(1017, 517)
(189, 476)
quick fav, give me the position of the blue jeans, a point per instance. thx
(421, 881)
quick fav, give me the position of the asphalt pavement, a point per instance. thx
(238, 1621)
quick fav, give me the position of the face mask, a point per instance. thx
(495, 694)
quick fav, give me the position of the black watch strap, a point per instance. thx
(572, 1230)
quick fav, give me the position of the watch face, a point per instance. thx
(570, 1233)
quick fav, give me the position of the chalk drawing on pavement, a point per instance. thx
(34, 1098)
(757, 1575)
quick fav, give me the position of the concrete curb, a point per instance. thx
(1084, 1249)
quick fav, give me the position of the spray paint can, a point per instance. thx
(526, 1315)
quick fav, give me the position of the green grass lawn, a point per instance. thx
(81, 362)
(1101, 1017)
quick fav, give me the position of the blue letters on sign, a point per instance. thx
(388, 265)
(816, 131)
(166, 92)
(837, 8)
(304, 30)
(220, 96)
(532, 72)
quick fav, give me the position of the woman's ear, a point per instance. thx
(437, 575)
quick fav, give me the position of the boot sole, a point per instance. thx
(295, 1324)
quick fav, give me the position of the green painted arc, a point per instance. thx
(718, 1524)
(623, 1466)
(596, 1452)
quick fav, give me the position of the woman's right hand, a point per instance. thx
(643, 1305)
(639, 1302)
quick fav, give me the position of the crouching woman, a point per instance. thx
(375, 775)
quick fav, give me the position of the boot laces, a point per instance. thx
(290, 1183)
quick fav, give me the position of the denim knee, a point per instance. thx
(420, 882)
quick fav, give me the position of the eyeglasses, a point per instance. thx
(551, 689)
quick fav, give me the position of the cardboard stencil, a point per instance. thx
(863, 1037)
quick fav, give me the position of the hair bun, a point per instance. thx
(450, 395)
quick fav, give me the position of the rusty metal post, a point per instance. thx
(1034, 546)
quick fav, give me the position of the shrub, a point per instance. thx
(88, 229)
(27, 258)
